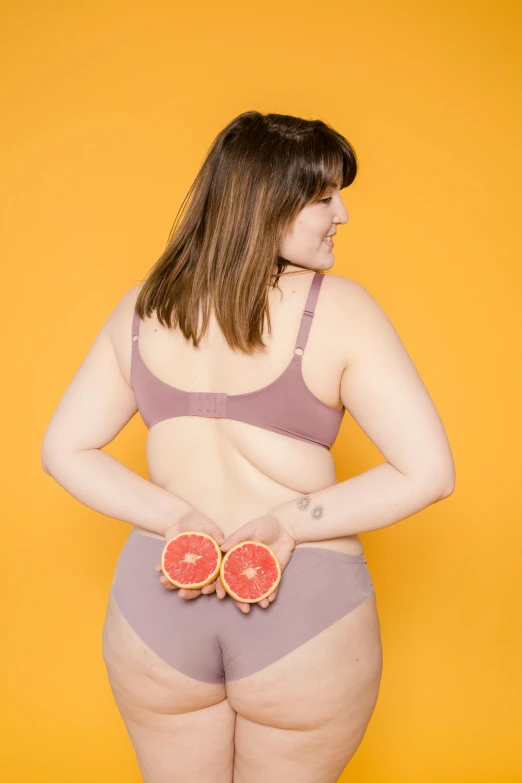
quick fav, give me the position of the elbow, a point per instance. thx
(449, 481)
(44, 462)
(446, 483)
(447, 490)
(44, 457)
(54, 458)
(437, 483)
(49, 457)
(46, 469)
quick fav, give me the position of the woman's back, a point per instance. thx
(229, 469)
(283, 691)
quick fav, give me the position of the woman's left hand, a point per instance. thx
(269, 530)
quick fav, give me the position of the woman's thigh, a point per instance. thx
(181, 726)
(303, 674)
(302, 716)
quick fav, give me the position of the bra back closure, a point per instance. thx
(211, 404)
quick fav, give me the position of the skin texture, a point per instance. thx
(303, 717)
(305, 246)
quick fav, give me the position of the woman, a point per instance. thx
(242, 416)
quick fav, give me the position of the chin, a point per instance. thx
(326, 263)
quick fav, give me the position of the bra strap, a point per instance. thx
(135, 331)
(308, 314)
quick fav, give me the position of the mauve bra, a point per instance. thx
(286, 405)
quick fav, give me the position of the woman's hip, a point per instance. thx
(208, 638)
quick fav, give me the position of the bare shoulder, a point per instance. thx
(356, 313)
(346, 291)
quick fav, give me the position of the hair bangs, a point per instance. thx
(333, 162)
(223, 253)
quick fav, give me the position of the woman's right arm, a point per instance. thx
(385, 395)
(95, 407)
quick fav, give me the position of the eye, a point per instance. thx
(326, 200)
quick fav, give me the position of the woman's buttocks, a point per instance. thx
(232, 474)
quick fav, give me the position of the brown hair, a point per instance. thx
(260, 171)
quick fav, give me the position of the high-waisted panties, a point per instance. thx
(210, 639)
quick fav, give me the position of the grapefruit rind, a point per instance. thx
(192, 586)
(229, 589)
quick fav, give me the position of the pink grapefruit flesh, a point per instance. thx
(191, 560)
(250, 571)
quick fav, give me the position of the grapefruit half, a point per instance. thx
(250, 571)
(191, 559)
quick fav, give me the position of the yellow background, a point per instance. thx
(109, 111)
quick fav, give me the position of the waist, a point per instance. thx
(236, 491)
(350, 545)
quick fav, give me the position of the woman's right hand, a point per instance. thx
(193, 520)
(268, 529)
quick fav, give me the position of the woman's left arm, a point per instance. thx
(94, 408)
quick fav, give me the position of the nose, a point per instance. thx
(342, 214)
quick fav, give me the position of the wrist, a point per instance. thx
(300, 516)
(285, 522)
(172, 524)
(171, 530)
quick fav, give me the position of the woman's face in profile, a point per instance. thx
(305, 243)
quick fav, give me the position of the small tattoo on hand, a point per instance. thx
(317, 512)
(304, 502)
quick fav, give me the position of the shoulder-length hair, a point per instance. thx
(260, 171)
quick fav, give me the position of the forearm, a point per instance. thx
(377, 498)
(101, 482)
